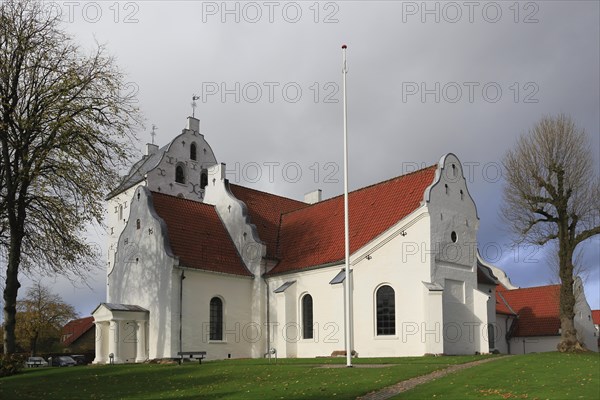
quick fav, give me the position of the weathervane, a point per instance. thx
(153, 133)
(194, 105)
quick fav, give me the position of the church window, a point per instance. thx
(203, 179)
(307, 317)
(462, 195)
(453, 237)
(193, 154)
(137, 224)
(120, 212)
(179, 174)
(446, 188)
(386, 311)
(216, 319)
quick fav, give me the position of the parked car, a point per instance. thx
(79, 359)
(36, 362)
(63, 361)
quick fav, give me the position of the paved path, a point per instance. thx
(403, 386)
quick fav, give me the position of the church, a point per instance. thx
(198, 264)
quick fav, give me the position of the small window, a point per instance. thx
(462, 195)
(216, 319)
(307, 317)
(203, 179)
(179, 174)
(386, 311)
(120, 212)
(453, 237)
(446, 187)
(193, 154)
(137, 224)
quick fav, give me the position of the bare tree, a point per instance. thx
(65, 128)
(41, 315)
(552, 194)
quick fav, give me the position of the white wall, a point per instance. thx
(533, 344)
(454, 224)
(583, 318)
(243, 337)
(143, 275)
(162, 178)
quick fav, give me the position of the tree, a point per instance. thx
(65, 129)
(552, 194)
(41, 315)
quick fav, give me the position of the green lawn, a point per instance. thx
(541, 376)
(532, 376)
(231, 379)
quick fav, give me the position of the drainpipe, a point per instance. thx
(181, 311)
(268, 320)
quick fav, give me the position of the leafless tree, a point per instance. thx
(552, 194)
(65, 128)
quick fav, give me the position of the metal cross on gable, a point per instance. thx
(194, 105)
(153, 133)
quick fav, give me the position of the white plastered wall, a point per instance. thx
(453, 258)
(143, 275)
(243, 337)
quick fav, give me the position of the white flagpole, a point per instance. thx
(347, 320)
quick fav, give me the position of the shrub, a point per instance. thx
(11, 364)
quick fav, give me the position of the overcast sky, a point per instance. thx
(460, 77)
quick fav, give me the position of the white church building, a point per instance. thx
(198, 264)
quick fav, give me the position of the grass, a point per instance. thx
(230, 379)
(532, 376)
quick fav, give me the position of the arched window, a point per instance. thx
(137, 224)
(179, 174)
(216, 319)
(386, 311)
(120, 211)
(307, 317)
(193, 155)
(203, 179)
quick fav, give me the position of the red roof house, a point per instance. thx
(79, 335)
(537, 308)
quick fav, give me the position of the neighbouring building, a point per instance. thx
(79, 336)
(527, 320)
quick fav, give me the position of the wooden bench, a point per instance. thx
(192, 355)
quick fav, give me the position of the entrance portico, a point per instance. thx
(121, 332)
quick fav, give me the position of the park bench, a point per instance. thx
(192, 355)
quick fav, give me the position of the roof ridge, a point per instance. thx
(532, 287)
(270, 194)
(182, 199)
(364, 188)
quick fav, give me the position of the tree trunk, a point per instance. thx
(33, 344)
(12, 284)
(10, 302)
(568, 337)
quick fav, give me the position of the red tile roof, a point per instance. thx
(314, 235)
(73, 330)
(596, 316)
(502, 306)
(197, 235)
(265, 211)
(537, 307)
